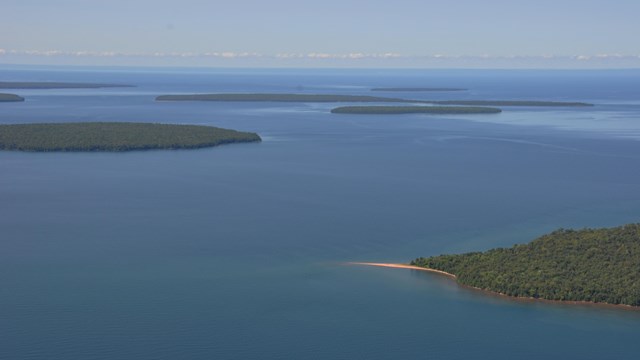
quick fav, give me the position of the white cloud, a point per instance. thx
(350, 59)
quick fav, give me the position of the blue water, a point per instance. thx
(238, 252)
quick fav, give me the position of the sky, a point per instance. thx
(327, 33)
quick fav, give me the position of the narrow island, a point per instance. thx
(54, 85)
(315, 98)
(599, 266)
(328, 98)
(10, 98)
(115, 136)
(509, 103)
(417, 89)
(390, 110)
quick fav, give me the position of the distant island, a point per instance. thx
(388, 110)
(417, 89)
(318, 98)
(589, 265)
(115, 136)
(54, 85)
(10, 98)
(327, 98)
(508, 103)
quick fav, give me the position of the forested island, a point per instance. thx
(328, 98)
(10, 98)
(318, 98)
(389, 110)
(589, 265)
(54, 85)
(115, 136)
(417, 89)
(508, 103)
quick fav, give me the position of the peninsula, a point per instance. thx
(115, 136)
(390, 110)
(10, 98)
(315, 98)
(328, 98)
(508, 103)
(589, 265)
(54, 85)
(417, 89)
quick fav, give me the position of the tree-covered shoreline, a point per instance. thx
(390, 110)
(590, 265)
(115, 136)
(10, 98)
(328, 98)
(43, 85)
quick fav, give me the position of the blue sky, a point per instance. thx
(349, 33)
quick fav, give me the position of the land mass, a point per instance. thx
(115, 136)
(417, 89)
(327, 98)
(54, 85)
(10, 98)
(318, 98)
(388, 110)
(589, 265)
(508, 103)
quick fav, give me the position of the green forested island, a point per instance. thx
(327, 98)
(508, 103)
(591, 265)
(388, 110)
(115, 136)
(417, 89)
(10, 98)
(320, 98)
(54, 85)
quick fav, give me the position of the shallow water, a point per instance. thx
(238, 251)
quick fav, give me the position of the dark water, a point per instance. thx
(237, 252)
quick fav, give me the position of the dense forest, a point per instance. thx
(115, 136)
(320, 98)
(10, 98)
(509, 103)
(595, 265)
(326, 98)
(418, 89)
(388, 110)
(54, 85)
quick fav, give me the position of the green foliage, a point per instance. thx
(321, 98)
(318, 98)
(54, 85)
(509, 103)
(596, 265)
(10, 98)
(386, 110)
(116, 136)
(419, 89)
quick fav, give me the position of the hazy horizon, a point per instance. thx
(333, 34)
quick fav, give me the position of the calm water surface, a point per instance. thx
(238, 251)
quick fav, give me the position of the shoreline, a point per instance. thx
(403, 266)
(497, 294)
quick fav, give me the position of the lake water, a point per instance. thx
(238, 251)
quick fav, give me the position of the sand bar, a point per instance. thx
(402, 266)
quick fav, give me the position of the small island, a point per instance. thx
(54, 85)
(10, 98)
(417, 89)
(389, 110)
(115, 136)
(308, 98)
(509, 103)
(589, 265)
